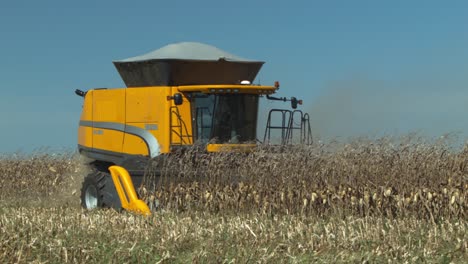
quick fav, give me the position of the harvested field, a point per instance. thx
(379, 200)
(61, 235)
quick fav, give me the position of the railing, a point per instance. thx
(292, 122)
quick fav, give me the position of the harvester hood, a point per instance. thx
(186, 63)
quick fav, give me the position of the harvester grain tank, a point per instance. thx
(176, 96)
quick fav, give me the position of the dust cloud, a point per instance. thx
(70, 190)
(61, 184)
(371, 108)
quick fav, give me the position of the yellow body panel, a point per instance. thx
(106, 139)
(87, 111)
(147, 104)
(109, 105)
(147, 108)
(85, 134)
(134, 145)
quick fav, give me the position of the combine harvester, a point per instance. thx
(176, 96)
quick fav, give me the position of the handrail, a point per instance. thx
(288, 126)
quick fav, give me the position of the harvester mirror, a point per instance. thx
(294, 102)
(178, 99)
(80, 93)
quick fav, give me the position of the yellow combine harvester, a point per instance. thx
(176, 96)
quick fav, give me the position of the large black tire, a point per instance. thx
(98, 191)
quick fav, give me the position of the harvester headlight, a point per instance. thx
(212, 90)
(221, 90)
(246, 82)
(228, 90)
(236, 90)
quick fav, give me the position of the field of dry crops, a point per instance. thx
(368, 200)
(363, 179)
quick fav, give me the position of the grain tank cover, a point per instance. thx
(186, 63)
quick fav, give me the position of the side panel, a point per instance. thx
(134, 121)
(85, 134)
(148, 117)
(108, 107)
(135, 145)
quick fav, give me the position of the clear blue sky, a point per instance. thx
(362, 67)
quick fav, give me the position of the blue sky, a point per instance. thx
(362, 67)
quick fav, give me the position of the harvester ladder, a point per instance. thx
(179, 134)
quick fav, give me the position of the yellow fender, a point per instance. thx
(127, 194)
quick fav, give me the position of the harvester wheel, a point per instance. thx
(98, 191)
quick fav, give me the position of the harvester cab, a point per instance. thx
(177, 96)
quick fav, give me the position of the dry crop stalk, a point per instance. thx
(364, 178)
